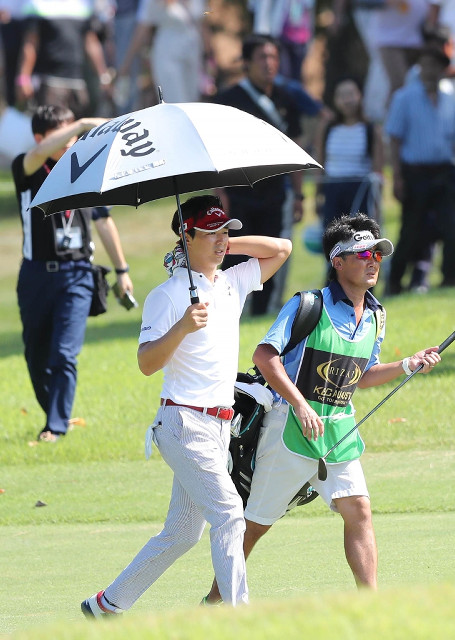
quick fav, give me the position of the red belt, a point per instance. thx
(223, 413)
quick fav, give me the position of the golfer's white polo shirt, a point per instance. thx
(203, 369)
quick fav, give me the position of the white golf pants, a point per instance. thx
(195, 446)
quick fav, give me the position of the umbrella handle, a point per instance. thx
(194, 298)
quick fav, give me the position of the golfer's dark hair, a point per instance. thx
(48, 117)
(255, 40)
(342, 229)
(192, 207)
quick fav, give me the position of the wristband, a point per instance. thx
(120, 271)
(405, 365)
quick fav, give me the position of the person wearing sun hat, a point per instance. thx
(197, 347)
(313, 385)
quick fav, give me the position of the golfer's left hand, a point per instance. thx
(428, 357)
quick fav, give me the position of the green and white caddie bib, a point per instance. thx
(330, 369)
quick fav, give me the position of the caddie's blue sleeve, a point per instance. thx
(374, 359)
(279, 333)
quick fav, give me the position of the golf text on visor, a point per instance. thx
(362, 241)
(211, 220)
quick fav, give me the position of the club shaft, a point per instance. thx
(448, 341)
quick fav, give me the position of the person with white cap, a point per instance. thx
(197, 347)
(313, 385)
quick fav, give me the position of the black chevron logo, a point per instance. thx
(77, 170)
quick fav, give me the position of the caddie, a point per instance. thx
(313, 385)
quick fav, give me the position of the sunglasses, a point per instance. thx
(367, 255)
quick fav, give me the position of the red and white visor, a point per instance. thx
(211, 220)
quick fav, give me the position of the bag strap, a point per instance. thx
(265, 104)
(306, 318)
(309, 313)
(379, 316)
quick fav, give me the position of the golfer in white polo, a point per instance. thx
(197, 347)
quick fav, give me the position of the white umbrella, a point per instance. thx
(166, 150)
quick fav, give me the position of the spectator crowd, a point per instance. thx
(394, 101)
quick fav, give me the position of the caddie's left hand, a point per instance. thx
(428, 357)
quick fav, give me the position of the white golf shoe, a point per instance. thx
(93, 607)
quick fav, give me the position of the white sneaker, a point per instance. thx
(93, 607)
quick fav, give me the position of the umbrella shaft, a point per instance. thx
(194, 298)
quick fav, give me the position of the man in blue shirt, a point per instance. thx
(421, 126)
(313, 386)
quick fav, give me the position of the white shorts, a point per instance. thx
(280, 473)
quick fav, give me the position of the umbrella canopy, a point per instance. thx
(168, 149)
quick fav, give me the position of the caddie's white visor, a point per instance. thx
(361, 241)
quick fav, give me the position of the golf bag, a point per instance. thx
(245, 428)
(249, 411)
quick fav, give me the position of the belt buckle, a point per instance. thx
(52, 266)
(221, 409)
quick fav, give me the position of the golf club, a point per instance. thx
(322, 466)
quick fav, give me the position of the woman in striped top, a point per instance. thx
(351, 151)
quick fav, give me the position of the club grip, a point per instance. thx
(448, 341)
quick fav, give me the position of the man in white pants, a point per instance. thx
(197, 348)
(313, 386)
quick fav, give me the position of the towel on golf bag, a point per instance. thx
(252, 399)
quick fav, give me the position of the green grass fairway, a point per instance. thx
(59, 565)
(419, 614)
(80, 541)
(138, 491)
